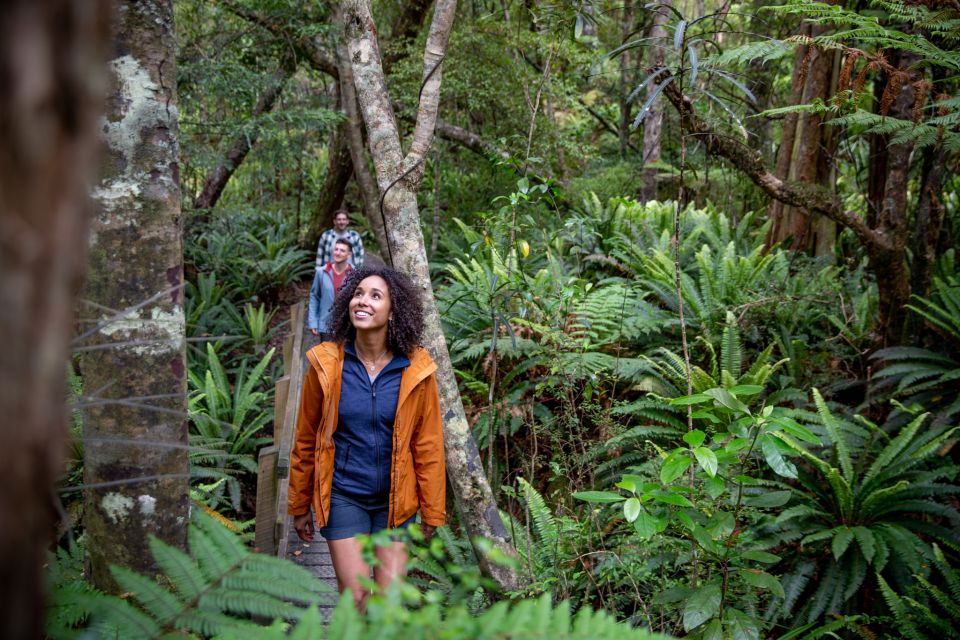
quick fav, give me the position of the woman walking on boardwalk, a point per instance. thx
(368, 453)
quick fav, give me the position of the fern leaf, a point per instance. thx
(833, 430)
(178, 566)
(159, 602)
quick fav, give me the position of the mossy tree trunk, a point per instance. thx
(135, 455)
(399, 176)
(51, 63)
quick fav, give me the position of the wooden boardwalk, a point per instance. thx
(274, 528)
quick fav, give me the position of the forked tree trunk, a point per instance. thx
(135, 455)
(51, 62)
(399, 176)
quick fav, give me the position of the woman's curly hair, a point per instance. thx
(403, 331)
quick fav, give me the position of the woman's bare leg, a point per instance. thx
(392, 564)
(348, 564)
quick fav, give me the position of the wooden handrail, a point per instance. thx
(273, 525)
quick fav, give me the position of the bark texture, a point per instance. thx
(217, 181)
(51, 71)
(135, 455)
(653, 123)
(330, 198)
(399, 177)
(358, 155)
(806, 150)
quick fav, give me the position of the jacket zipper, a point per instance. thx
(376, 436)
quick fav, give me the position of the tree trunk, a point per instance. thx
(400, 177)
(890, 262)
(135, 433)
(354, 133)
(653, 123)
(330, 198)
(215, 183)
(625, 80)
(51, 61)
(929, 219)
(805, 151)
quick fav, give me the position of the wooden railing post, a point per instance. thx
(273, 463)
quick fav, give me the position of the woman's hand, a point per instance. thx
(304, 526)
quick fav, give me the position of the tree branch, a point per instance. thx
(811, 197)
(320, 57)
(215, 183)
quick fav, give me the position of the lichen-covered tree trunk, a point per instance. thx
(135, 455)
(399, 176)
(805, 150)
(51, 62)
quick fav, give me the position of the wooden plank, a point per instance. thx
(264, 533)
(285, 443)
(287, 355)
(281, 391)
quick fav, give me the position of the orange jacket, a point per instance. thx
(417, 470)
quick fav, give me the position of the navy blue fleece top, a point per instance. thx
(364, 435)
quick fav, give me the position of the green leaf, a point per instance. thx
(631, 509)
(762, 580)
(715, 486)
(773, 456)
(866, 541)
(696, 398)
(727, 399)
(746, 389)
(671, 498)
(707, 460)
(795, 429)
(714, 630)
(647, 525)
(834, 431)
(770, 499)
(841, 540)
(760, 556)
(673, 467)
(702, 605)
(598, 496)
(694, 438)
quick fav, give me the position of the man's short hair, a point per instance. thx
(344, 241)
(339, 211)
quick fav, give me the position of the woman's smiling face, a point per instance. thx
(370, 305)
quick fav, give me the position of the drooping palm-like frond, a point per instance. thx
(931, 610)
(924, 377)
(866, 504)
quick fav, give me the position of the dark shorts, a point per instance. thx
(350, 517)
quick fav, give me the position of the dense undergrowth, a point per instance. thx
(760, 468)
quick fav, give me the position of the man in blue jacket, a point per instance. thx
(326, 283)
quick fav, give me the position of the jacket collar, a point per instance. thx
(329, 357)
